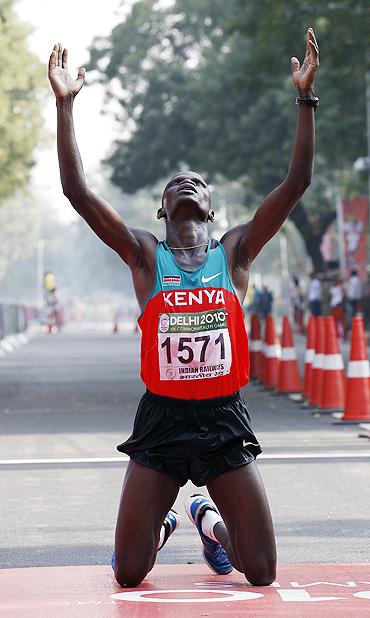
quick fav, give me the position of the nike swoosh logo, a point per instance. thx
(206, 279)
(245, 443)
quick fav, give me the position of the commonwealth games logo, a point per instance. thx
(164, 322)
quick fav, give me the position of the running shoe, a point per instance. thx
(213, 553)
(171, 522)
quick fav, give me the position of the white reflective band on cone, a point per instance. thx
(255, 345)
(333, 361)
(288, 354)
(269, 351)
(309, 356)
(318, 361)
(358, 369)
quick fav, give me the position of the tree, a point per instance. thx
(341, 123)
(208, 85)
(21, 87)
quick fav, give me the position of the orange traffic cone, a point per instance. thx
(357, 404)
(255, 348)
(289, 380)
(317, 372)
(270, 358)
(309, 356)
(332, 396)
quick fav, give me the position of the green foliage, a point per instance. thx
(20, 226)
(208, 85)
(342, 29)
(21, 84)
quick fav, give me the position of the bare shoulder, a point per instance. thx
(233, 241)
(144, 237)
(148, 244)
(143, 268)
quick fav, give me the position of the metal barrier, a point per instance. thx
(15, 318)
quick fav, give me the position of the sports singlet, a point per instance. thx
(194, 344)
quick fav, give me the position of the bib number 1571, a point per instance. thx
(186, 349)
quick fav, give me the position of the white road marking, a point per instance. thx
(149, 596)
(311, 455)
(63, 460)
(125, 458)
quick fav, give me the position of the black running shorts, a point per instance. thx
(196, 440)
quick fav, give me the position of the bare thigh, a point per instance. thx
(241, 499)
(147, 496)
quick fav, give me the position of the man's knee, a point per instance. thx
(130, 573)
(129, 578)
(261, 572)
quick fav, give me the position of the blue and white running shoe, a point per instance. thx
(170, 523)
(214, 555)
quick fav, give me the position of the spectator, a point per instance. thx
(256, 305)
(297, 300)
(337, 307)
(53, 310)
(354, 293)
(267, 300)
(314, 295)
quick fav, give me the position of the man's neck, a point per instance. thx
(188, 234)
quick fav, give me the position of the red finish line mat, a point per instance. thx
(186, 591)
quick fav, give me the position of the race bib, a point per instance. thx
(192, 346)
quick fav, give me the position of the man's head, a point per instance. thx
(187, 196)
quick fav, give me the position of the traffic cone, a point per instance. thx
(289, 380)
(270, 354)
(309, 356)
(255, 348)
(317, 365)
(332, 396)
(357, 401)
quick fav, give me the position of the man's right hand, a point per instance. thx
(61, 82)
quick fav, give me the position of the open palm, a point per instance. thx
(304, 76)
(60, 79)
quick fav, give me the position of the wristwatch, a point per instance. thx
(307, 100)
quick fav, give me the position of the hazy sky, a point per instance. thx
(74, 23)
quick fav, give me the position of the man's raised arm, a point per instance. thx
(99, 215)
(249, 239)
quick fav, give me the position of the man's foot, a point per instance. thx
(170, 523)
(214, 555)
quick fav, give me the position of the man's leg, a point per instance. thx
(247, 534)
(147, 496)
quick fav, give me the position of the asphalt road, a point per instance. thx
(74, 395)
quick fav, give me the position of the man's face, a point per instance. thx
(186, 193)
